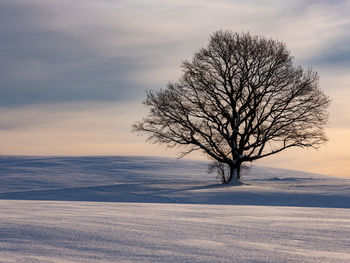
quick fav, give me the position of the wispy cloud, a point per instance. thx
(103, 50)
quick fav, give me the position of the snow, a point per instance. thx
(139, 209)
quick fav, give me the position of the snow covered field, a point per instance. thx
(138, 209)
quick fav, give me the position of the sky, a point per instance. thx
(73, 74)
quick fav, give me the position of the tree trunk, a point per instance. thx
(235, 175)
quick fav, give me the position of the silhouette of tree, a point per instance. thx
(238, 100)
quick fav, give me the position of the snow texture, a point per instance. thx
(138, 209)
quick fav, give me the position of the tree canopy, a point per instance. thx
(239, 99)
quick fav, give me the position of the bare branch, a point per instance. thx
(239, 99)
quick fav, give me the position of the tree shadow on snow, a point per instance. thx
(161, 180)
(187, 193)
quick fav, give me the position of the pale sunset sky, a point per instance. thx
(73, 74)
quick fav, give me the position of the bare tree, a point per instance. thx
(239, 99)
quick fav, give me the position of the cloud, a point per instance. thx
(336, 54)
(48, 54)
(57, 51)
(75, 51)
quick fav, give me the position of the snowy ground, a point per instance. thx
(137, 209)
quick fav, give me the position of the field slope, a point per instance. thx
(139, 209)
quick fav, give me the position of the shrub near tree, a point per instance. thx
(238, 100)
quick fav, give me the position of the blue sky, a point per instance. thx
(73, 73)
